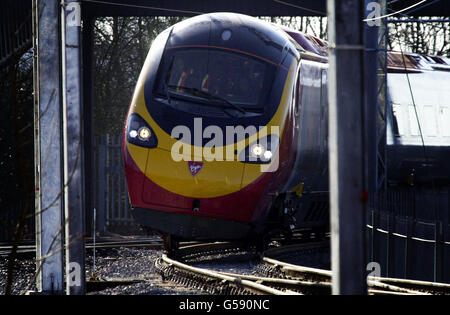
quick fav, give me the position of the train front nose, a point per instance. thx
(194, 185)
(218, 69)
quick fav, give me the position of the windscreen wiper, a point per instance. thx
(197, 92)
(166, 89)
(166, 85)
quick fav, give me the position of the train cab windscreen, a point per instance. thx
(215, 75)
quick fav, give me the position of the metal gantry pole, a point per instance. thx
(73, 146)
(383, 106)
(371, 31)
(348, 193)
(48, 148)
(87, 109)
(375, 33)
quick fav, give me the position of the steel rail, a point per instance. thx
(382, 292)
(253, 286)
(297, 284)
(24, 249)
(4, 250)
(275, 280)
(394, 288)
(416, 284)
(276, 251)
(286, 283)
(391, 284)
(299, 269)
(194, 251)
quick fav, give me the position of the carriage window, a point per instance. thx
(445, 118)
(430, 121)
(414, 120)
(237, 78)
(399, 123)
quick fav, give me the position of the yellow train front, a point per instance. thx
(211, 136)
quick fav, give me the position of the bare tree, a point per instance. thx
(121, 46)
(429, 38)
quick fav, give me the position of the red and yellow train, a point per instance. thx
(210, 77)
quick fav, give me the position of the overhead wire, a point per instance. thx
(300, 7)
(423, 6)
(412, 96)
(433, 181)
(408, 78)
(143, 7)
(395, 13)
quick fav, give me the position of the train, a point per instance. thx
(226, 134)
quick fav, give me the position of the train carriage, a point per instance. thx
(226, 135)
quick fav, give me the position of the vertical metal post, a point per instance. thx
(391, 245)
(109, 195)
(87, 107)
(48, 148)
(94, 230)
(373, 232)
(438, 252)
(408, 246)
(73, 146)
(102, 184)
(375, 33)
(383, 105)
(348, 195)
(371, 30)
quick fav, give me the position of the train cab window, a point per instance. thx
(215, 75)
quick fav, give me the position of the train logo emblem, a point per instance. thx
(195, 167)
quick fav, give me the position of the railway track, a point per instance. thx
(279, 278)
(213, 282)
(29, 250)
(219, 283)
(275, 276)
(167, 267)
(192, 248)
(376, 285)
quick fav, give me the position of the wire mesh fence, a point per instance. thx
(111, 193)
(408, 234)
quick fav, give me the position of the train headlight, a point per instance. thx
(268, 155)
(260, 151)
(257, 150)
(140, 133)
(133, 134)
(144, 133)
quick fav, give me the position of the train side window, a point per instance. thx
(445, 121)
(430, 121)
(398, 123)
(413, 120)
(298, 93)
(324, 115)
(324, 102)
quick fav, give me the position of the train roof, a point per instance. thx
(409, 62)
(398, 62)
(237, 32)
(309, 43)
(269, 43)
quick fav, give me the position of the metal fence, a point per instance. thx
(15, 29)
(409, 234)
(111, 194)
(9, 219)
